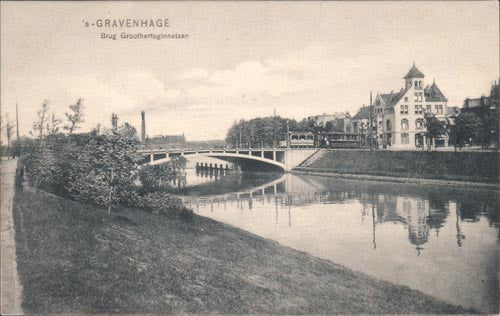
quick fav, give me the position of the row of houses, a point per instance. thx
(397, 119)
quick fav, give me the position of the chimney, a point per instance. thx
(114, 122)
(143, 127)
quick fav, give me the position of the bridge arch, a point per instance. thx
(246, 161)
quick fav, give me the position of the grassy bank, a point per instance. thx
(72, 258)
(461, 166)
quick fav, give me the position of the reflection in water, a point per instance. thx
(442, 241)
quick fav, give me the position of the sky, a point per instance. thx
(241, 60)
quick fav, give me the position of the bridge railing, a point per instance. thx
(242, 146)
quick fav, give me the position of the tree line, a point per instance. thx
(268, 131)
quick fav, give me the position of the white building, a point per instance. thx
(399, 116)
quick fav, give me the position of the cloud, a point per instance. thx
(195, 73)
(297, 84)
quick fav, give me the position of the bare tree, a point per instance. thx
(39, 125)
(53, 125)
(75, 117)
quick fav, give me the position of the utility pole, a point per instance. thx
(239, 142)
(17, 126)
(287, 135)
(370, 123)
(143, 127)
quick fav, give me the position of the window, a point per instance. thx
(406, 99)
(420, 123)
(405, 139)
(403, 108)
(418, 97)
(416, 83)
(428, 109)
(404, 124)
(419, 109)
(388, 125)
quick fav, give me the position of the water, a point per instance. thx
(441, 241)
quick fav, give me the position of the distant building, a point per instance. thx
(399, 116)
(361, 124)
(324, 118)
(166, 141)
(487, 108)
(484, 104)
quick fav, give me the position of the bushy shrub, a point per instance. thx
(102, 169)
(157, 177)
(162, 203)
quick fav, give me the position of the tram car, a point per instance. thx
(341, 140)
(298, 140)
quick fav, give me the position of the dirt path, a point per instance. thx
(10, 287)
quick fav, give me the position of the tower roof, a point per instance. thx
(414, 73)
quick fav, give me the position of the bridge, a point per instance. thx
(254, 159)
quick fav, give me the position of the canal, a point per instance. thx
(441, 241)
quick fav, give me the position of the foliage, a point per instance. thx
(155, 178)
(53, 125)
(267, 130)
(75, 117)
(435, 128)
(466, 127)
(101, 169)
(160, 202)
(39, 125)
(103, 172)
(41, 163)
(8, 126)
(488, 129)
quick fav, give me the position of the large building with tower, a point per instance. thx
(399, 116)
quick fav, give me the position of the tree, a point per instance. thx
(435, 129)
(487, 129)
(8, 126)
(75, 117)
(257, 131)
(39, 125)
(104, 171)
(53, 125)
(466, 126)
(41, 164)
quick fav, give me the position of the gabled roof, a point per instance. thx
(433, 93)
(390, 99)
(363, 113)
(414, 73)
